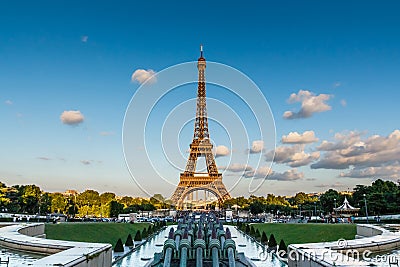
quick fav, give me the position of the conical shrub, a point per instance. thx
(129, 241)
(264, 238)
(138, 236)
(252, 232)
(144, 233)
(247, 229)
(257, 234)
(272, 243)
(282, 246)
(119, 247)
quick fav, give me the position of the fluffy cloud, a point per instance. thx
(106, 133)
(310, 104)
(294, 156)
(72, 117)
(221, 151)
(84, 38)
(8, 102)
(237, 167)
(142, 76)
(267, 173)
(43, 158)
(367, 157)
(343, 102)
(296, 138)
(257, 146)
(369, 172)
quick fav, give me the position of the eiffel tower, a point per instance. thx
(190, 180)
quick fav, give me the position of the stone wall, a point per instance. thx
(63, 253)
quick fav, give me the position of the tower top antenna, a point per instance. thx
(201, 50)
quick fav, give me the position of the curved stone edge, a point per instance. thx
(370, 238)
(63, 253)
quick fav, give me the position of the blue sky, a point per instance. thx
(58, 56)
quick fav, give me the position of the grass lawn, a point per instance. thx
(307, 233)
(93, 232)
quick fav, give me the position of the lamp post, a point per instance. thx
(315, 210)
(87, 211)
(335, 205)
(40, 203)
(366, 209)
(300, 211)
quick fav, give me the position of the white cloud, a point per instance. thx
(43, 158)
(310, 104)
(106, 133)
(257, 146)
(141, 76)
(72, 117)
(365, 157)
(221, 151)
(8, 102)
(294, 156)
(296, 138)
(290, 175)
(337, 84)
(343, 102)
(237, 167)
(369, 172)
(84, 38)
(268, 173)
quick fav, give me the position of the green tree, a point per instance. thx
(257, 234)
(282, 246)
(119, 247)
(106, 197)
(272, 243)
(89, 196)
(327, 200)
(256, 207)
(115, 208)
(264, 238)
(144, 233)
(252, 232)
(29, 198)
(129, 241)
(247, 229)
(138, 236)
(58, 203)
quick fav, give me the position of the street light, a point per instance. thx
(366, 209)
(300, 211)
(315, 210)
(40, 203)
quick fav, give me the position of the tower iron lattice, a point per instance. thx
(190, 180)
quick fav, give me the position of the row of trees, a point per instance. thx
(139, 236)
(30, 199)
(262, 237)
(383, 197)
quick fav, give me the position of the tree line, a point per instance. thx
(382, 197)
(30, 199)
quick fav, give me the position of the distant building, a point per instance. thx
(71, 192)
